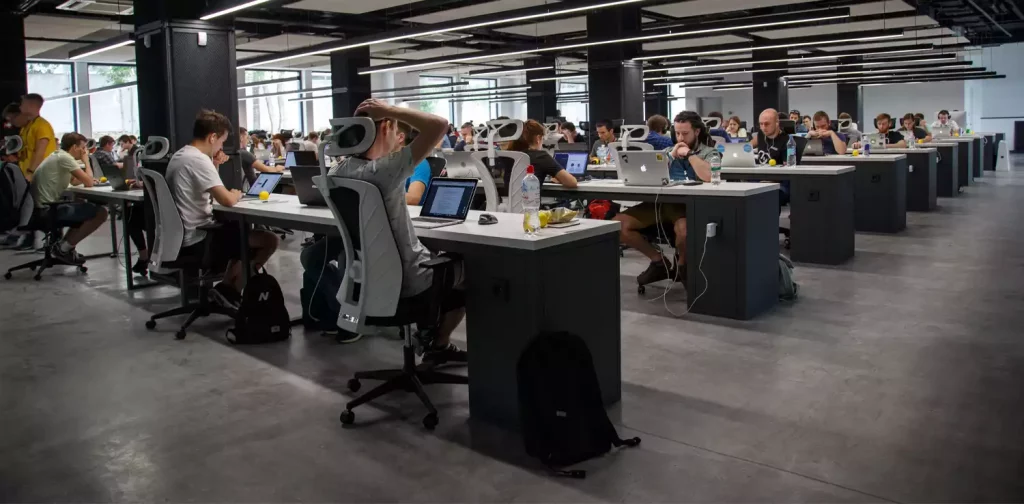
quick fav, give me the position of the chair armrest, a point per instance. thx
(211, 227)
(436, 262)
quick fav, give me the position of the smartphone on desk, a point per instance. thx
(692, 182)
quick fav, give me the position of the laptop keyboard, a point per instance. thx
(433, 220)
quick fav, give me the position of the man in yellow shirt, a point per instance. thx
(36, 132)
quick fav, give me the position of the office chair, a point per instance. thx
(437, 165)
(503, 130)
(630, 141)
(44, 220)
(167, 266)
(370, 293)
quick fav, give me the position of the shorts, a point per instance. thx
(224, 246)
(648, 215)
(74, 213)
(419, 304)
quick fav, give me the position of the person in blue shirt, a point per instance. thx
(831, 142)
(658, 124)
(416, 185)
(798, 122)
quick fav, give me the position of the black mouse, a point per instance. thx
(486, 219)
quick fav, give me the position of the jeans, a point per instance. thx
(313, 260)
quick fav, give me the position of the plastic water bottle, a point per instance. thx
(911, 142)
(602, 153)
(791, 152)
(867, 147)
(716, 169)
(531, 202)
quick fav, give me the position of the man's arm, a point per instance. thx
(38, 154)
(225, 197)
(898, 145)
(430, 126)
(753, 142)
(838, 142)
(80, 177)
(260, 167)
(415, 192)
(700, 166)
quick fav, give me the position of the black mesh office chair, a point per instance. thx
(437, 165)
(44, 220)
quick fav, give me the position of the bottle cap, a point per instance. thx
(529, 169)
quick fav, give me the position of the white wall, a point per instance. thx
(812, 99)
(994, 104)
(898, 99)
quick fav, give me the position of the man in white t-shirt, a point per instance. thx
(945, 120)
(193, 179)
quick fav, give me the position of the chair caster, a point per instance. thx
(180, 335)
(787, 243)
(7, 276)
(641, 289)
(83, 270)
(150, 324)
(354, 385)
(430, 421)
(38, 277)
(347, 417)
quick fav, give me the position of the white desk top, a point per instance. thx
(907, 150)
(508, 232)
(617, 187)
(962, 138)
(879, 158)
(602, 168)
(791, 170)
(936, 144)
(107, 192)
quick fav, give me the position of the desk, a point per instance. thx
(741, 263)
(922, 167)
(110, 197)
(603, 171)
(880, 190)
(965, 158)
(821, 203)
(516, 287)
(988, 159)
(947, 168)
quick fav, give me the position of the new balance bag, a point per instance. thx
(560, 408)
(262, 317)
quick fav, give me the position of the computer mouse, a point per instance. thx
(486, 219)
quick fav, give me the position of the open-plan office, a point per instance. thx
(323, 250)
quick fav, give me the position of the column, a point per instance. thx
(769, 89)
(615, 81)
(656, 103)
(541, 98)
(850, 99)
(13, 74)
(345, 67)
(81, 70)
(243, 114)
(307, 106)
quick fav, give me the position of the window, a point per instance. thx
(323, 108)
(272, 113)
(479, 110)
(575, 110)
(114, 112)
(442, 107)
(677, 105)
(54, 79)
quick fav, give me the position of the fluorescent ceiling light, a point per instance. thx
(740, 88)
(689, 83)
(559, 77)
(459, 94)
(425, 86)
(937, 57)
(101, 47)
(454, 27)
(512, 70)
(92, 91)
(884, 70)
(229, 10)
(734, 72)
(777, 46)
(642, 38)
(268, 82)
(889, 76)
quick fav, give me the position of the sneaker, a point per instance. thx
(70, 257)
(225, 297)
(10, 240)
(342, 336)
(25, 244)
(655, 272)
(447, 353)
(141, 266)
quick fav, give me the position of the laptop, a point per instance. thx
(814, 147)
(447, 203)
(875, 139)
(114, 177)
(738, 156)
(305, 189)
(942, 131)
(645, 168)
(265, 182)
(300, 158)
(573, 162)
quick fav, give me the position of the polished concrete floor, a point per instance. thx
(894, 377)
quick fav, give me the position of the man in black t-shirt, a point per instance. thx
(910, 122)
(770, 139)
(893, 138)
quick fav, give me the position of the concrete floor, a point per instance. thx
(895, 377)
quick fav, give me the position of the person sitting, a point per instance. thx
(691, 160)
(135, 219)
(251, 165)
(105, 153)
(658, 125)
(909, 122)
(465, 137)
(193, 180)
(798, 122)
(920, 122)
(772, 142)
(605, 136)
(893, 139)
(312, 142)
(945, 121)
(52, 178)
(569, 133)
(852, 132)
(808, 125)
(831, 141)
(531, 142)
(735, 129)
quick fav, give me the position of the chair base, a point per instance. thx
(194, 311)
(40, 265)
(409, 379)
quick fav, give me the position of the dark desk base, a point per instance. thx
(947, 170)
(989, 157)
(979, 157)
(881, 196)
(966, 163)
(921, 181)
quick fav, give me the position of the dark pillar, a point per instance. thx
(615, 82)
(13, 75)
(769, 89)
(541, 99)
(656, 103)
(345, 76)
(850, 99)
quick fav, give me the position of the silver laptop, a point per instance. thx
(645, 168)
(447, 203)
(265, 182)
(875, 139)
(942, 131)
(814, 147)
(738, 155)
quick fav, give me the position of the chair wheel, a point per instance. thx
(354, 385)
(347, 417)
(641, 289)
(83, 269)
(7, 276)
(39, 276)
(180, 335)
(430, 421)
(150, 324)
(787, 243)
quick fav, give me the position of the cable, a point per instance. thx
(309, 309)
(663, 235)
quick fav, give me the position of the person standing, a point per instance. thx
(36, 132)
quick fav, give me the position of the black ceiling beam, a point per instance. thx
(664, 18)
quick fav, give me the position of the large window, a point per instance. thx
(479, 110)
(272, 113)
(442, 107)
(678, 104)
(575, 110)
(323, 108)
(54, 79)
(114, 112)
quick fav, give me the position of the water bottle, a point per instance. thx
(602, 153)
(911, 142)
(531, 202)
(716, 169)
(867, 147)
(791, 152)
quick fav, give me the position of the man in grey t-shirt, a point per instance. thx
(387, 167)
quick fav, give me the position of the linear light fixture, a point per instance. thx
(739, 88)
(733, 72)
(269, 82)
(509, 71)
(959, 66)
(90, 92)
(229, 10)
(687, 84)
(777, 46)
(559, 77)
(936, 57)
(464, 92)
(425, 86)
(940, 49)
(643, 38)
(101, 47)
(980, 71)
(363, 42)
(809, 67)
(922, 80)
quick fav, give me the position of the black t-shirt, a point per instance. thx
(893, 137)
(919, 133)
(775, 147)
(248, 159)
(543, 166)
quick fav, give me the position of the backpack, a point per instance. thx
(319, 309)
(13, 195)
(560, 408)
(788, 288)
(262, 317)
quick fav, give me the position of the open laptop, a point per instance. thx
(300, 158)
(941, 131)
(114, 177)
(738, 156)
(875, 139)
(573, 162)
(814, 147)
(305, 189)
(447, 203)
(265, 182)
(645, 168)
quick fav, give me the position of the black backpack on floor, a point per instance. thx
(262, 318)
(560, 407)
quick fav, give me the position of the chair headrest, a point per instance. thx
(626, 132)
(91, 144)
(352, 135)
(844, 124)
(712, 122)
(13, 144)
(157, 147)
(501, 131)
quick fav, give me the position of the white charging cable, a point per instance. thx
(663, 236)
(309, 309)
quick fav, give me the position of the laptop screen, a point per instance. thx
(449, 198)
(573, 162)
(300, 158)
(265, 182)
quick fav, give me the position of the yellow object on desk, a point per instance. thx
(103, 180)
(545, 217)
(856, 152)
(264, 196)
(771, 162)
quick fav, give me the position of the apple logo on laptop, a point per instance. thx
(643, 168)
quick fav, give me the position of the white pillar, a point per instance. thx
(307, 106)
(243, 113)
(84, 103)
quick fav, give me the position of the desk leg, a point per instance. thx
(113, 229)
(129, 276)
(244, 244)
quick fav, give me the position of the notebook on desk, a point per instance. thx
(114, 177)
(447, 203)
(265, 182)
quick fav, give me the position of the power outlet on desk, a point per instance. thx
(712, 229)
